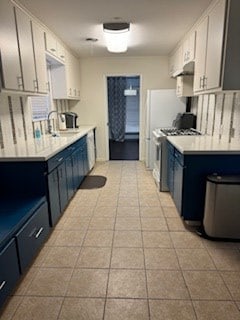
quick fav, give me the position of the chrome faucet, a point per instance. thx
(49, 122)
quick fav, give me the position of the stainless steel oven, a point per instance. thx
(160, 153)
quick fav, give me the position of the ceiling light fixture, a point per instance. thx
(116, 34)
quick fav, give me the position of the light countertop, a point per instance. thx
(204, 145)
(43, 148)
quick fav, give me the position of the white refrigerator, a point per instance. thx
(162, 107)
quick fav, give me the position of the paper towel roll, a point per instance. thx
(62, 124)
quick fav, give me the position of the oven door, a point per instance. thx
(157, 160)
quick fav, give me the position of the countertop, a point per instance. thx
(43, 148)
(204, 145)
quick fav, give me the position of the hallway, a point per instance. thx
(121, 252)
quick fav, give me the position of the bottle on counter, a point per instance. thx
(37, 133)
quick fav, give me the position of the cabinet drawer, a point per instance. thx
(32, 236)
(56, 160)
(9, 270)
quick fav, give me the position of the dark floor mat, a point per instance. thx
(93, 182)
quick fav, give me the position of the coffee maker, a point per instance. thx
(71, 120)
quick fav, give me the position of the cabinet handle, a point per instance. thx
(63, 57)
(70, 91)
(60, 159)
(204, 82)
(39, 232)
(53, 50)
(35, 84)
(48, 86)
(20, 82)
(2, 285)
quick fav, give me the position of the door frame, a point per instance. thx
(140, 110)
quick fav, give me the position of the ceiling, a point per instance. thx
(156, 25)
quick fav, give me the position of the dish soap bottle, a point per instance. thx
(37, 133)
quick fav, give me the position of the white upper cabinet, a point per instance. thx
(10, 72)
(212, 50)
(40, 59)
(184, 86)
(189, 48)
(66, 79)
(54, 47)
(201, 48)
(176, 63)
(26, 51)
(22, 51)
(209, 49)
(217, 68)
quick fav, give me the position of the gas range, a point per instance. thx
(161, 153)
(163, 132)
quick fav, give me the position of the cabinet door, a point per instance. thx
(53, 194)
(62, 185)
(10, 62)
(179, 87)
(69, 173)
(60, 52)
(50, 44)
(9, 270)
(200, 58)
(189, 48)
(215, 46)
(40, 58)
(32, 235)
(26, 50)
(178, 185)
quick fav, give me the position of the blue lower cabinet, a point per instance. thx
(32, 235)
(9, 270)
(62, 185)
(53, 196)
(69, 174)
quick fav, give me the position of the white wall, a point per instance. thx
(92, 108)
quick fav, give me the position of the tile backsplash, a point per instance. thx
(218, 115)
(16, 125)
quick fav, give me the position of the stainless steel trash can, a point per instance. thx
(222, 207)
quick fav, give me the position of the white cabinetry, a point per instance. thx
(189, 48)
(22, 51)
(40, 59)
(209, 49)
(184, 86)
(176, 63)
(10, 63)
(201, 47)
(54, 47)
(65, 79)
(217, 61)
(26, 51)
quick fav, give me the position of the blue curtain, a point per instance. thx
(116, 107)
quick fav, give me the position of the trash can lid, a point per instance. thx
(224, 179)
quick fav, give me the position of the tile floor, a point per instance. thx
(122, 252)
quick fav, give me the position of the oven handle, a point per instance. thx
(156, 141)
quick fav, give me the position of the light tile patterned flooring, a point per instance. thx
(122, 252)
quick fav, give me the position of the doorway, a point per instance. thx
(123, 117)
